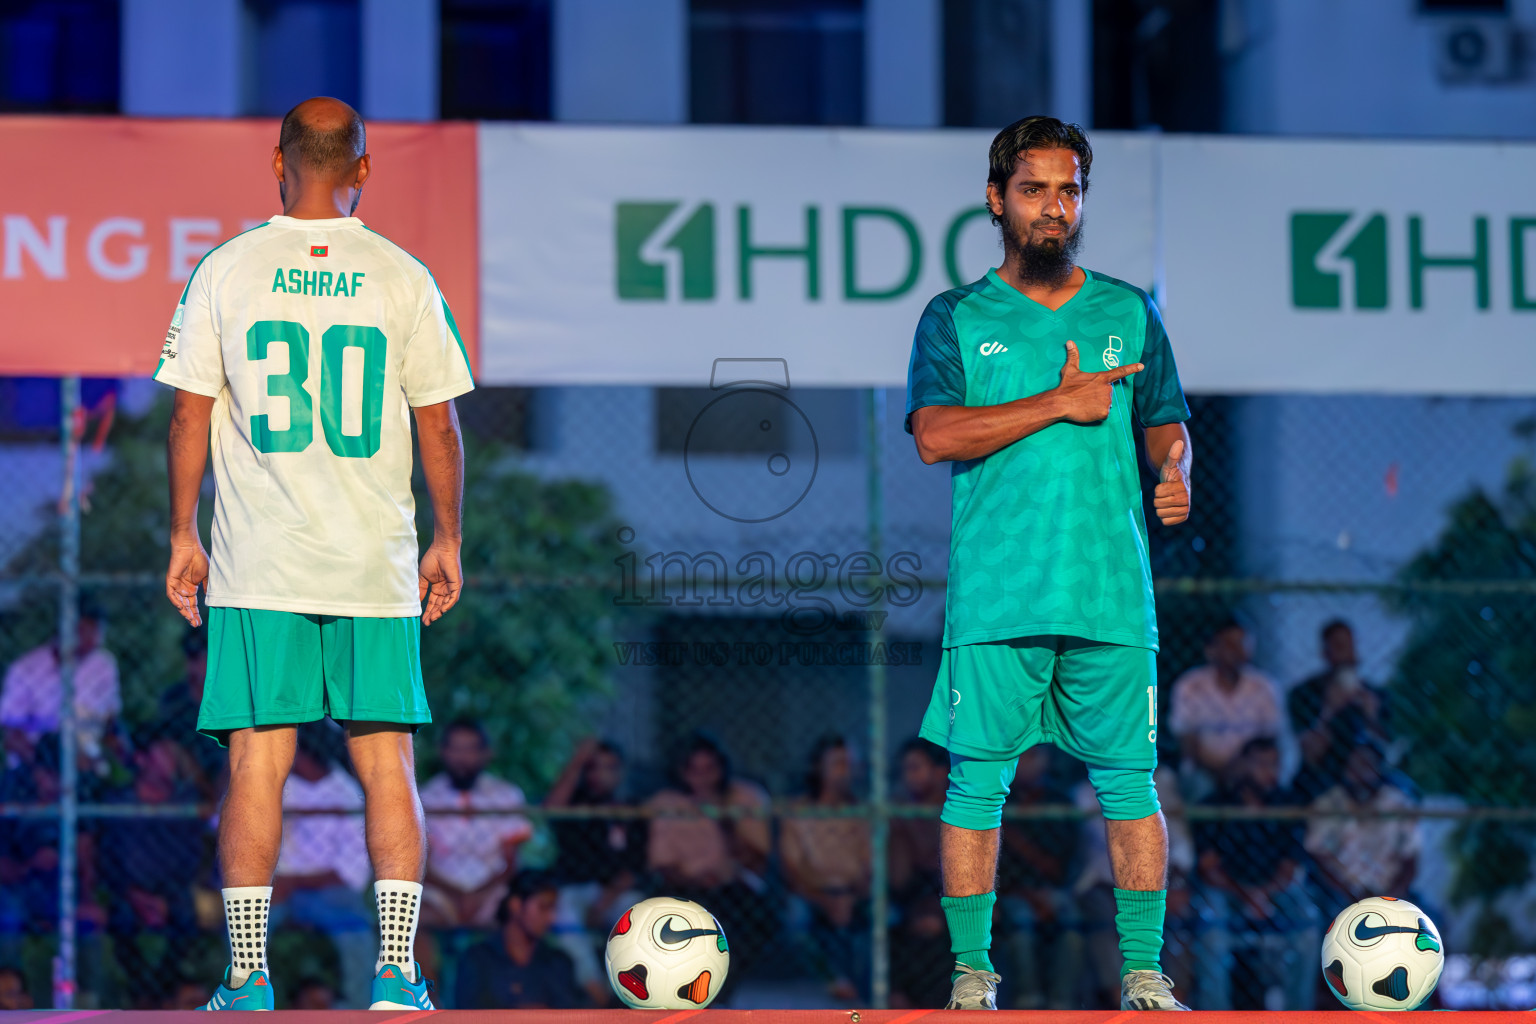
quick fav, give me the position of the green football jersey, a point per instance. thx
(1048, 535)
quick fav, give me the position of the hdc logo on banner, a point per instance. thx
(1328, 247)
(668, 249)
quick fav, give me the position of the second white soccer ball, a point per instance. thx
(667, 954)
(1382, 954)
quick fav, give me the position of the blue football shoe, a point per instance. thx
(392, 990)
(255, 994)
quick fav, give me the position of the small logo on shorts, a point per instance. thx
(952, 705)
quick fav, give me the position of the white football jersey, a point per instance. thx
(315, 338)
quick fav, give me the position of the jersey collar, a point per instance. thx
(1012, 294)
(304, 224)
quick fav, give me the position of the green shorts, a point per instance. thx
(282, 668)
(1098, 702)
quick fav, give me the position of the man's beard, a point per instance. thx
(1047, 262)
(463, 782)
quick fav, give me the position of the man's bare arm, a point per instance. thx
(442, 463)
(186, 455)
(1168, 449)
(957, 433)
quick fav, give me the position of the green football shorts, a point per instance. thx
(1097, 702)
(284, 668)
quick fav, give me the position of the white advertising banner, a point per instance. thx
(1304, 265)
(641, 255)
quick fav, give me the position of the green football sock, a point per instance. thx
(970, 928)
(1139, 920)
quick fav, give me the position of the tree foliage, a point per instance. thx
(524, 653)
(1466, 682)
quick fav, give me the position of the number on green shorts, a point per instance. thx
(333, 345)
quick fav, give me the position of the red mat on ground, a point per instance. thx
(733, 1017)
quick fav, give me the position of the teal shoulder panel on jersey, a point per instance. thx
(187, 289)
(210, 252)
(936, 371)
(1158, 394)
(453, 325)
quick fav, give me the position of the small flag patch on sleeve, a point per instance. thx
(318, 250)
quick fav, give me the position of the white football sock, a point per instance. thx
(245, 910)
(399, 906)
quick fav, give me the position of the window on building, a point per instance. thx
(303, 48)
(759, 421)
(1464, 6)
(500, 415)
(997, 61)
(59, 55)
(1157, 65)
(495, 60)
(776, 61)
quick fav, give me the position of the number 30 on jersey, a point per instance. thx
(301, 407)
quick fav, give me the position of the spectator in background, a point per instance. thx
(827, 863)
(180, 702)
(13, 990)
(920, 936)
(31, 694)
(29, 847)
(29, 865)
(147, 867)
(312, 994)
(322, 865)
(518, 969)
(176, 716)
(1036, 865)
(601, 859)
(1353, 856)
(470, 856)
(1331, 710)
(719, 862)
(1251, 895)
(1221, 705)
(1093, 888)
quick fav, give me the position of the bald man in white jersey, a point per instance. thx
(303, 347)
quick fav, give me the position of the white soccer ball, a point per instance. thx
(667, 954)
(1382, 954)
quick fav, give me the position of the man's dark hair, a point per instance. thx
(1036, 132)
(18, 974)
(465, 725)
(929, 749)
(696, 743)
(1230, 622)
(322, 741)
(526, 883)
(89, 608)
(324, 151)
(1332, 626)
(194, 641)
(824, 743)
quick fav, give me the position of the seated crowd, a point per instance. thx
(518, 901)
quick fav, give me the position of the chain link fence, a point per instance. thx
(700, 630)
